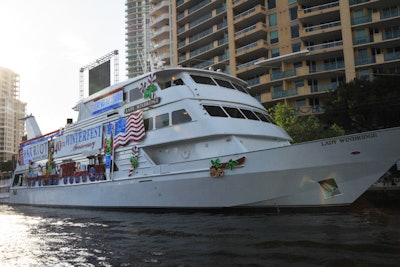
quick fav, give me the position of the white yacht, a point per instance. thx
(190, 138)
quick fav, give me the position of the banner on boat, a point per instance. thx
(108, 101)
(34, 152)
(86, 140)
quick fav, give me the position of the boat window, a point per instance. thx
(135, 94)
(164, 85)
(249, 114)
(215, 111)
(262, 116)
(224, 83)
(234, 113)
(202, 79)
(180, 116)
(162, 120)
(178, 82)
(148, 124)
(240, 88)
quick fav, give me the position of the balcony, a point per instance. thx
(322, 88)
(323, 26)
(159, 21)
(249, 16)
(284, 93)
(255, 49)
(365, 60)
(249, 69)
(325, 46)
(325, 31)
(308, 110)
(356, 2)
(161, 44)
(159, 8)
(283, 74)
(161, 31)
(392, 56)
(363, 40)
(319, 14)
(326, 67)
(251, 34)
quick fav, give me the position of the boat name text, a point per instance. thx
(142, 105)
(347, 139)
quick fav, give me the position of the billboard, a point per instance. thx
(99, 77)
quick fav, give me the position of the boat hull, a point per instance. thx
(329, 172)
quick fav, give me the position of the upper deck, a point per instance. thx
(149, 90)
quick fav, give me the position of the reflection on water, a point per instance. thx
(32, 236)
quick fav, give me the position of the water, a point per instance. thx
(361, 236)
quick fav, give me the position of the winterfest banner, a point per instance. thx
(34, 152)
(88, 139)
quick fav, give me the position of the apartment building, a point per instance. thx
(288, 50)
(160, 33)
(12, 128)
(137, 37)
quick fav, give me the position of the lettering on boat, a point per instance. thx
(108, 101)
(85, 139)
(346, 139)
(34, 152)
(143, 105)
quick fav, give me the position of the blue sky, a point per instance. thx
(47, 41)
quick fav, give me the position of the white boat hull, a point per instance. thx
(329, 172)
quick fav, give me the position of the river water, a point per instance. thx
(364, 235)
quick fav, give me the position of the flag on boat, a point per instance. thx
(129, 129)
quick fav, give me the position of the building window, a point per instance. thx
(299, 84)
(271, 4)
(296, 47)
(300, 102)
(273, 37)
(274, 52)
(294, 31)
(293, 13)
(364, 75)
(272, 20)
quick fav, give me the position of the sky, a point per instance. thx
(46, 42)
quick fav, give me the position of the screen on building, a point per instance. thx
(99, 77)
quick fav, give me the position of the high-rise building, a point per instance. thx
(12, 110)
(161, 33)
(288, 50)
(137, 37)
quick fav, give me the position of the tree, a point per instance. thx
(362, 105)
(304, 128)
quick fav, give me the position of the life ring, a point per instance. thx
(65, 180)
(84, 178)
(71, 179)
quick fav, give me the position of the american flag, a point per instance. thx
(129, 129)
